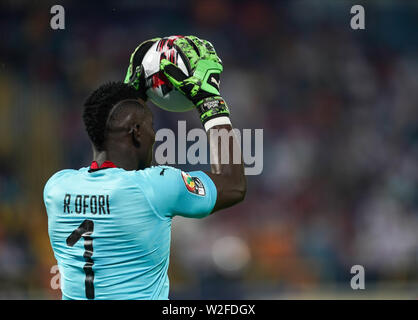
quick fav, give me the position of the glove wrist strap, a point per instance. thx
(212, 107)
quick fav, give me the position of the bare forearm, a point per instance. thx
(227, 168)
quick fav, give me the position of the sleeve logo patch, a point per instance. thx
(193, 184)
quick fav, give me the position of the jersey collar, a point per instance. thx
(107, 164)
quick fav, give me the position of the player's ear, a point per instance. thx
(136, 135)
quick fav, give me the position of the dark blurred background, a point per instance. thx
(339, 109)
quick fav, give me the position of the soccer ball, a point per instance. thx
(159, 89)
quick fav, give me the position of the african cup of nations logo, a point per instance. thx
(194, 185)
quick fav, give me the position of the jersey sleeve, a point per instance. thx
(174, 192)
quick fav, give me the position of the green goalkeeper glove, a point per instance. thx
(202, 87)
(135, 74)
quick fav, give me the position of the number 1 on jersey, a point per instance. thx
(85, 229)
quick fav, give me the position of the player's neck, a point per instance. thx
(119, 159)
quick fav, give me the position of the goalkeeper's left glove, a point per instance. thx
(135, 74)
(202, 87)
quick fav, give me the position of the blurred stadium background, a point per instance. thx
(339, 110)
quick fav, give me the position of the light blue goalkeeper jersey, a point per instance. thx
(110, 228)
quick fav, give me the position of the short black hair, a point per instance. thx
(98, 105)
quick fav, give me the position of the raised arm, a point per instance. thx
(228, 177)
(202, 88)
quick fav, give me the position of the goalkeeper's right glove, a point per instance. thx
(202, 87)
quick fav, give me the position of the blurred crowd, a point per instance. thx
(339, 111)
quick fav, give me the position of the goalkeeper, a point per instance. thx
(110, 223)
